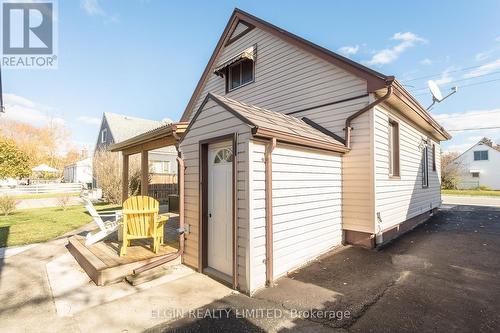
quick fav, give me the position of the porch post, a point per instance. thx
(124, 176)
(144, 173)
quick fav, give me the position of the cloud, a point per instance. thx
(426, 61)
(482, 55)
(469, 119)
(497, 39)
(406, 40)
(349, 50)
(93, 8)
(445, 77)
(484, 69)
(21, 109)
(89, 120)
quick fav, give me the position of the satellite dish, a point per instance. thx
(437, 96)
(435, 91)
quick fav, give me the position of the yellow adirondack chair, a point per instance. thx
(140, 220)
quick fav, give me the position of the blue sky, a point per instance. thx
(144, 58)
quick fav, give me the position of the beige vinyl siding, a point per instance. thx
(215, 121)
(257, 198)
(306, 207)
(357, 171)
(398, 200)
(287, 78)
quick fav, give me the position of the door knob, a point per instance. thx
(209, 214)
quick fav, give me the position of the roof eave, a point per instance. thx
(407, 98)
(154, 134)
(298, 140)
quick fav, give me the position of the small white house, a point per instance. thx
(289, 150)
(79, 172)
(479, 165)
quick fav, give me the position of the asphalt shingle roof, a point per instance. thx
(276, 121)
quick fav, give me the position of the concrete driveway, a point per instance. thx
(443, 276)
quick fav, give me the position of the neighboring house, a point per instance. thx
(117, 128)
(79, 172)
(480, 165)
(291, 150)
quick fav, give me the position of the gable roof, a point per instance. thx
(485, 142)
(375, 80)
(269, 124)
(123, 127)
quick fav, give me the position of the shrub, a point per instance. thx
(7, 204)
(107, 171)
(484, 188)
(63, 201)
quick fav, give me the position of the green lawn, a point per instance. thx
(45, 195)
(41, 224)
(472, 192)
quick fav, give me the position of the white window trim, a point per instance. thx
(425, 167)
(104, 135)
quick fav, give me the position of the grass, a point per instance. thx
(45, 195)
(488, 193)
(29, 226)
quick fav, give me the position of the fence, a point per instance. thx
(42, 188)
(161, 191)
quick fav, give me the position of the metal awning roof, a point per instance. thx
(163, 136)
(248, 53)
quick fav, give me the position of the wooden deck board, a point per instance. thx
(102, 262)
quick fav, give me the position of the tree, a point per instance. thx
(14, 162)
(107, 171)
(49, 144)
(451, 170)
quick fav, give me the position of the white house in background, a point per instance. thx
(79, 172)
(480, 165)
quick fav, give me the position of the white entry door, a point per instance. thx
(220, 210)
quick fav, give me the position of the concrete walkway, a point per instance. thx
(471, 200)
(42, 289)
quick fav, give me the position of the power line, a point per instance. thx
(438, 74)
(468, 85)
(473, 129)
(459, 80)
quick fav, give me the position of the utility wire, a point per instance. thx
(473, 129)
(468, 85)
(438, 74)
(459, 80)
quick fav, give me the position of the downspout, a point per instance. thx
(348, 128)
(172, 256)
(269, 210)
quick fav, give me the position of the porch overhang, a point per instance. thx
(163, 136)
(157, 138)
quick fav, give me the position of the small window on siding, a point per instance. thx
(475, 174)
(433, 157)
(240, 74)
(104, 134)
(224, 155)
(481, 155)
(425, 167)
(393, 149)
